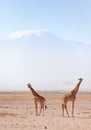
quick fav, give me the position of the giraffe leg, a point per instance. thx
(63, 110)
(40, 110)
(66, 110)
(73, 109)
(36, 108)
(42, 107)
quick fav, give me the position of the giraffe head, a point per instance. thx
(29, 85)
(80, 79)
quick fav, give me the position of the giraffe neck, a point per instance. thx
(75, 90)
(33, 92)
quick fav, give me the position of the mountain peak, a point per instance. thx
(25, 34)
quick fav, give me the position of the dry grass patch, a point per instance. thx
(6, 114)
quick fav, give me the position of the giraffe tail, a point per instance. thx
(45, 105)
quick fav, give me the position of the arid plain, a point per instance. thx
(17, 112)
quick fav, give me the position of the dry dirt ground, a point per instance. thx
(17, 113)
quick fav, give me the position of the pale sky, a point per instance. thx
(47, 43)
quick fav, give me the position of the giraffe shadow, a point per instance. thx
(78, 117)
(82, 117)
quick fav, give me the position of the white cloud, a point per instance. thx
(25, 34)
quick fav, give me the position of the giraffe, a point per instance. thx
(38, 99)
(70, 97)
